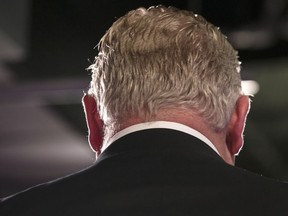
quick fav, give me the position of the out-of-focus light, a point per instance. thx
(250, 87)
(252, 39)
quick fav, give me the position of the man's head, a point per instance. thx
(162, 58)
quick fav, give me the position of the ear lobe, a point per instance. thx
(234, 137)
(94, 123)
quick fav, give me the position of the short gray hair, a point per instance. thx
(163, 57)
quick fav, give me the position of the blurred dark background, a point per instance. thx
(46, 46)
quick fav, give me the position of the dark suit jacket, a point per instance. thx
(155, 172)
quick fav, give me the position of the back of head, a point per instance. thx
(156, 58)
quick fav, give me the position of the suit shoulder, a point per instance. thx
(57, 194)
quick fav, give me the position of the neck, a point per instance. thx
(190, 119)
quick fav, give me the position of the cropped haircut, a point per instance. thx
(163, 57)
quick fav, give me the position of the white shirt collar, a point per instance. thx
(160, 124)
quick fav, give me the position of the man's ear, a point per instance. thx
(236, 125)
(94, 123)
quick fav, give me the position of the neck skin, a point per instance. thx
(190, 119)
(228, 141)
